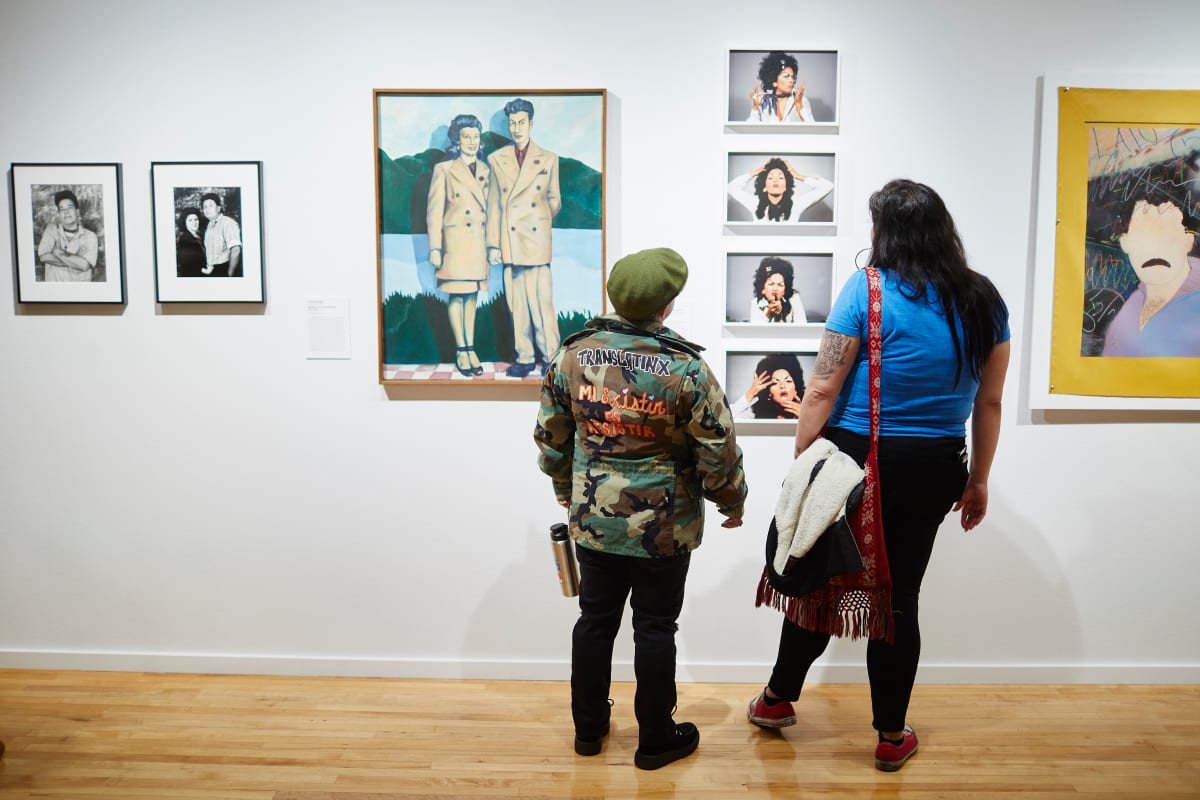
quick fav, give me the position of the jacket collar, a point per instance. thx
(615, 323)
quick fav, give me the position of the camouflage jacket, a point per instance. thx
(635, 432)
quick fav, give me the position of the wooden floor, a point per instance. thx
(105, 735)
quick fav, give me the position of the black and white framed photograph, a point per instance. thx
(780, 90)
(208, 241)
(785, 192)
(778, 289)
(767, 386)
(68, 245)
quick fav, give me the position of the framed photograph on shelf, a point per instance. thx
(68, 241)
(783, 90)
(778, 290)
(781, 193)
(490, 212)
(208, 231)
(767, 386)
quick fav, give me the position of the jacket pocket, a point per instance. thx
(625, 498)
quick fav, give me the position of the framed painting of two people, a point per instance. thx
(490, 225)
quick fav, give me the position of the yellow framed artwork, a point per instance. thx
(1124, 308)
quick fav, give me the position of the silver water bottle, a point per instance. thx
(564, 559)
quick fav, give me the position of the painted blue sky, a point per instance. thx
(569, 125)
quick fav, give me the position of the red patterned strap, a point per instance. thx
(874, 556)
(874, 347)
(860, 603)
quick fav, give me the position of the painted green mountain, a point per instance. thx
(404, 187)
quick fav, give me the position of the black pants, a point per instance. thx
(921, 478)
(222, 271)
(654, 587)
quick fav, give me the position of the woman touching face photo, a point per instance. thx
(775, 295)
(776, 390)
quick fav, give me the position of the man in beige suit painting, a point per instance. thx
(456, 218)
(523, 198)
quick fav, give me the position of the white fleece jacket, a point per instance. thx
(807, 506)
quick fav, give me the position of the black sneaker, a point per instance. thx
(590, 747)
(686, 739)
(519, 370)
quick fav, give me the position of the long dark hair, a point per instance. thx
(914, 238)
(784, 209)
(765, 406)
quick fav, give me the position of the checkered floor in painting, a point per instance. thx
(493, 371)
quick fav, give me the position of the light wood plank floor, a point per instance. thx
(127, 736)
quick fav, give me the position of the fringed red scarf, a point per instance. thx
(859, 603)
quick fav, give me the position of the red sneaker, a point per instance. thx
(779, 715)
(891, 757)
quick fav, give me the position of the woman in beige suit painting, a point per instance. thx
(456, 216)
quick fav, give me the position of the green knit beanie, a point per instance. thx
(642, 284)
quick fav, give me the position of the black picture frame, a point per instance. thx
(230, 243)
(54, 262)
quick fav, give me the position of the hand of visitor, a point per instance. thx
(973, 504)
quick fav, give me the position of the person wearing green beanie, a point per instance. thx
(635, 433)
(644, 283)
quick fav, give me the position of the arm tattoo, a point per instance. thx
(832, 353)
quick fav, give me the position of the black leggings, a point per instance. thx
(920, 479)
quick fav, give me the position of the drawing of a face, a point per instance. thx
(1157, 243)
(786, 81)
(783, 388)
(519, 125)
(774, 287)
(192, 221)
(210, 209)
(776, 184)
(468, 141)
(68, 214)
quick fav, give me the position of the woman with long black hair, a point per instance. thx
(776, 192)
(945, 352)
(189, 245)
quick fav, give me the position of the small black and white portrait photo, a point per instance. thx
(209, 233)
(68, 228)
(208, 223)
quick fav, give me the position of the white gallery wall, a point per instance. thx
(181, 489)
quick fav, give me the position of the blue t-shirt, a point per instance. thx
(919, 397)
